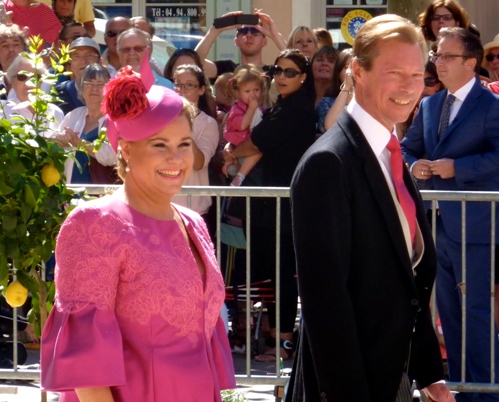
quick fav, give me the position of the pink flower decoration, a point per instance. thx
(124, 95)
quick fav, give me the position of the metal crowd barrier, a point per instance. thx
(279, 193)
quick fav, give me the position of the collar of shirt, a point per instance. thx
(376, 134)
(460, 95)
(463, 92)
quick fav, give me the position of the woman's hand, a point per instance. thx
(72, 137)
(227, 154)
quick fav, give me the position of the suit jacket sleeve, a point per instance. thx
(483, 164)
(322, 234)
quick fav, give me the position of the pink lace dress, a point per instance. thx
(132, 311)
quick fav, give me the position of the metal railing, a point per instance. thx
(279, 193)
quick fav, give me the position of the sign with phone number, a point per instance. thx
(177, 11)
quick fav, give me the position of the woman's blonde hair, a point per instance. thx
(296, 31)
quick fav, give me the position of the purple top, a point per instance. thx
(132, 311)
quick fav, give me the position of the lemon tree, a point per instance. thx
(33, 199)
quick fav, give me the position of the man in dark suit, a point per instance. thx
(456, 148)
(365, 257)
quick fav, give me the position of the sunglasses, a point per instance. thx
(246, 30)
(112, 33)
(21, 77)
(491, 57)
(445, 17)
(430, 82)
(288, 72)
(136, 49)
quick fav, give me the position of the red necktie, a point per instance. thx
(405, 199)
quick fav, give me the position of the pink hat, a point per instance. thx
(135, 108)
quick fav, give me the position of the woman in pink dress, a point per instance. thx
(139, 291)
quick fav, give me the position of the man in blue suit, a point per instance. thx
(454, 145)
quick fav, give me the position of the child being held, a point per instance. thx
(223, 97)
(249, 85)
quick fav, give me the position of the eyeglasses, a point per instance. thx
(246, 30)
(430, 82)
(491, 57)
(445, 17)
(94, 85)
(112, 33)
(136, 49)
(76, 36)
(187, 86)
(288, 72)
(446, 58)
(21, 77)
(86, 56)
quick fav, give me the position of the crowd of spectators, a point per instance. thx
(301, 95)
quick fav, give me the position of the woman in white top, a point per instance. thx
(189, 82)
(22, 84)
(83, 125)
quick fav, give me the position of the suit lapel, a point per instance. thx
(379, 188)
(432, 120)
(468, 105)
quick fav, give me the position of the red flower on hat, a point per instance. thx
(124, 95)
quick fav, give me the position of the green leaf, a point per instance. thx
(4, 188)
(28, 196)
(28, 281)
(9, 223)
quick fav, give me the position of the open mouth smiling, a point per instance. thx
(169, 173)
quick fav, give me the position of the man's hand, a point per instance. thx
(421, 170)
(438, 392)
(443, 168)
(269, 28)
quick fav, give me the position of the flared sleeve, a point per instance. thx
(222, 357)
(81, 342)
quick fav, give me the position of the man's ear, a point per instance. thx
(236, 41)
(471, 63)
(264, 41)
(357, 70)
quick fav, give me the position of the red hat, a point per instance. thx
(135, 108)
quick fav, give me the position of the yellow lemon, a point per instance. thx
(50, 175)
(16, 294)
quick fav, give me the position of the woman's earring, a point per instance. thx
(127, 169)
(302, 82)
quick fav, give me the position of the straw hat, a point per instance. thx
(487, 47)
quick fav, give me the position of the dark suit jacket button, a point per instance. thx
(323, 395)
(414, 302)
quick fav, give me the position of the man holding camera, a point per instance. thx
(250, 39)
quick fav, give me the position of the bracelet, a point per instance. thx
(350, 92)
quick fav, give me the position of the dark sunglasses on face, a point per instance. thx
(21, 77)
(246, 30)
(288, 72)
(491, 57)
(112, 33)
(430, 82)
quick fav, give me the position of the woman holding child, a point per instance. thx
(284, 134)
